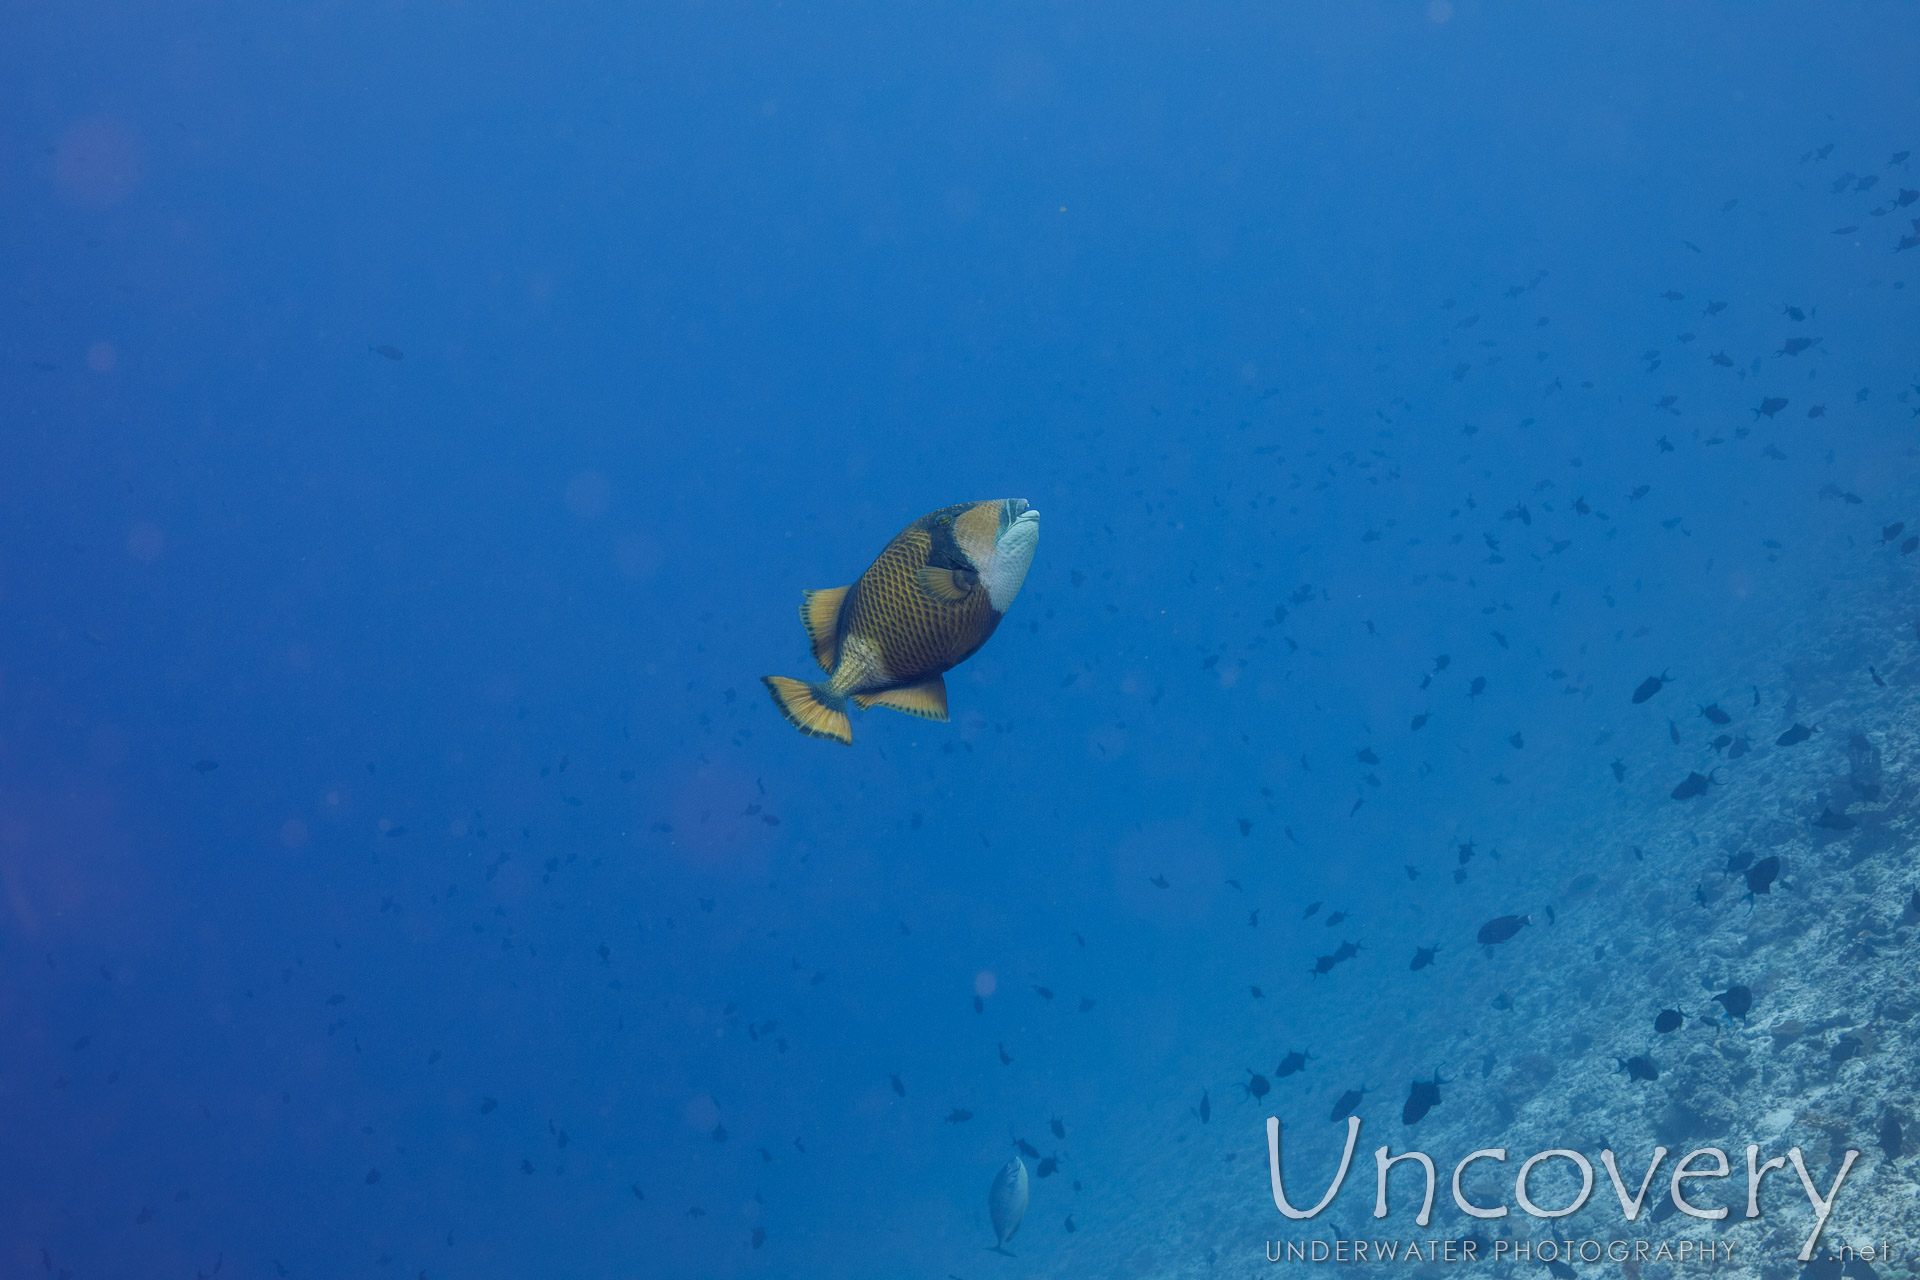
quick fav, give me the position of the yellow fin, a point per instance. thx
(927, 700)
(949, 586)
(820, 615)
(811, 708)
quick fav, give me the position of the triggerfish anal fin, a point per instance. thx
(927, 700)
(813, 709)
(820, 615)
(948, 586)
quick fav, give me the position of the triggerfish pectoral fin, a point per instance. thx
(820, 615)
(927, 700)
(813, 709)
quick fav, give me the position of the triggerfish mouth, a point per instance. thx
(925, 606)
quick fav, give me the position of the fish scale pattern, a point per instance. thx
(920, 636)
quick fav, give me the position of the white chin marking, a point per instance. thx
(1012, 556)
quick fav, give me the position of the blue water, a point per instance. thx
(403, 871)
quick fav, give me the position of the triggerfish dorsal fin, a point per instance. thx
(927, 700)
(820, 615)
(813, 709)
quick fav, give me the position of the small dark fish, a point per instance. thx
(1345, 951)
(1256, 1085)
(1673, 733)
(1045, 993)
(1762, 874)
(1619, 768)
(1560, 1270)
(1892, 531)
(1422, 957)
(1158, 882)
(1366, 756)
(390, 352)
(1640, 1067)
(1419, 722)
(1466, 853)
(1503, 1002)
(1737, 1000)
(1026, 1148)
(1722, 359)
(1413, 872)
(1478, 687)
(1667, 1021)
(1205, 1109)
(1502, 928)
(1722, 741)
(1336, 918)
(1650, 686)
(1794, 736)
(1294, 1061)
(1343, 1106)
(898, 1086)
(1739, 862)
(1715, 715)
(959, 1116)
(1695, 784)
(1311, 908)
(205, 766)
(1739, 747)
(1048, 1167)
(1847, 1046)
(1714, 308)
(1059, 1128)
(1834, 821)
(1770, 406)
(1422, 1098)
(1794, 346)
(1891, 1138)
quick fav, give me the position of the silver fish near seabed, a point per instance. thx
(1007, 1202)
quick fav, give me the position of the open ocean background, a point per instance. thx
(417, 424)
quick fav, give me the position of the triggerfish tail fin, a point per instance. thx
(928, 700)
(813, 709)
(820, 615)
